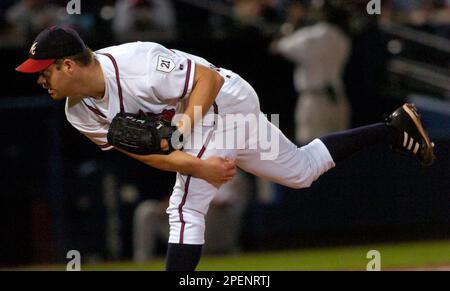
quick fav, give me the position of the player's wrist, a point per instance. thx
(197, 166)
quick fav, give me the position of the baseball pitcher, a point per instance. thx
(177, 112)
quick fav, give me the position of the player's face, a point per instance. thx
(56, 81)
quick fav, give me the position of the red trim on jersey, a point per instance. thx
(186, 82)
(188, 180)
(180, 208)
(119, 88)
(95, 110)
(183, 201)
(166, 114)
(103, 146)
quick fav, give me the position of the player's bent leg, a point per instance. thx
(288, 164)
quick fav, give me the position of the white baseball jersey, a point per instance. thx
(153, 79)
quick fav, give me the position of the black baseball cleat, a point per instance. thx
(412, 137)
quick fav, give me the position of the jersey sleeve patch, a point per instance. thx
(165, 64)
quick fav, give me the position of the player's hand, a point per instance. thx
(218, 170)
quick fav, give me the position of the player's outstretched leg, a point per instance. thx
(403, 130)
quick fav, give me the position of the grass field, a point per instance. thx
(434, 255)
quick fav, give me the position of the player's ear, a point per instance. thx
(68, 65)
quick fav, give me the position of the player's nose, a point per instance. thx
(42, 82)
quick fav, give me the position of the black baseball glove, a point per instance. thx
(141, 134)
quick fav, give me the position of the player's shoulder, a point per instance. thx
(133, 50)
(134, 58)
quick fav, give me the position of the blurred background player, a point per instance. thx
(320, 52)
(144, 19)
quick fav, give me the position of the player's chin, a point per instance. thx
(55, 95)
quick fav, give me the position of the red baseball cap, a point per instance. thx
(52, 43)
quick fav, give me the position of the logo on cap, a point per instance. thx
(33, 49)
